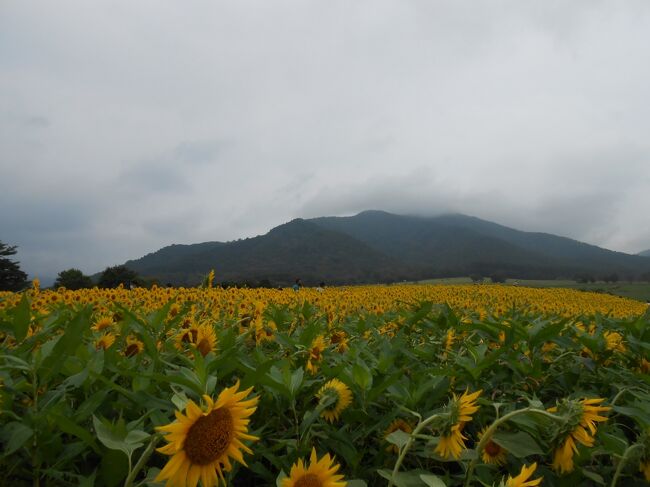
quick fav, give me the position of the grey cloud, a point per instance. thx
(122, 130)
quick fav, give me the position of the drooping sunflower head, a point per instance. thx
(203, 442)
(397, 425)
(452, 443)
(580, 427)
(319, 473)
(492, 453)
(464, 406)
(521, 480)
(341, 395)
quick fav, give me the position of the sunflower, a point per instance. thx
(203, 442)
(133, 346)
(343, 399)
(583, 416)
(493, 452)
(320, 473)
(186, 335)
(340, 339)
(105, 341)
(451, 444)
(467, 405)
(521, 480)
(398, 424)
(265, 332)
(614, 341)
(102, 323)
(206, 339)
(315, 354)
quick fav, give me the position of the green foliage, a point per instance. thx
(73, 414)
(73, 279)
(112, 277)
(11, 277)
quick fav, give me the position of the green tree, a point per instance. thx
(11, 277)
(73, 279)
(112, 277)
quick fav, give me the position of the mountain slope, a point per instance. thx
(645, 253)
(376, 246)
(469, 244)
(298, 249)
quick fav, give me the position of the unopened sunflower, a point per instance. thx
(319, 473)
(202, 442)
(342, 399)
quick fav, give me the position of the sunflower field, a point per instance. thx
(405, 386)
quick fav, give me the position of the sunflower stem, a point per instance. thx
(621, 464)
(492, 428)
(141, 461)
(407, 447)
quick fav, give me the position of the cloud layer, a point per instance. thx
(127, 126)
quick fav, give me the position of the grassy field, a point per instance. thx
(639, 291)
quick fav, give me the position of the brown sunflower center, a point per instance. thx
(308, 480)
(492, 449)
(209, 437)
(132, 350)
(204, 346)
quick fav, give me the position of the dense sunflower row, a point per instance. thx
(396, 385)
(340, 302)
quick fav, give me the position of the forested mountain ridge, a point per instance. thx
(375, 246)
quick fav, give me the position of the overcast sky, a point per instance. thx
(129, 125)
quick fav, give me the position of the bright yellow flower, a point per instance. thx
(105, 341)
(343, 399)
(102, 323)
(319, 473)
(451, 445)
(492, 452)
(202, 443)
(589, 414)
(521, 480)
(133, 346)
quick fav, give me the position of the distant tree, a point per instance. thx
(73, 279)
(476, 278)
(498, 277)
(112, 277)
(613, 277)
(11, 277)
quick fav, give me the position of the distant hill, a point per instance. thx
(376, 246)
(296, 249)
(645, 253)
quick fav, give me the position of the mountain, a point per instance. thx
(375, 246)
(298, 249)
(645, 253)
